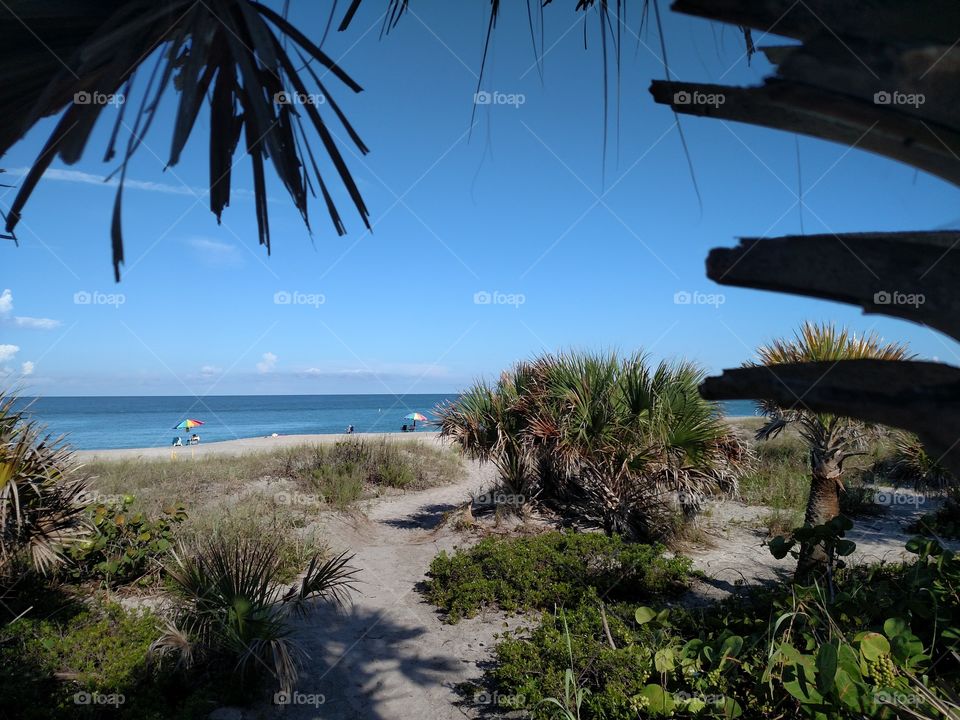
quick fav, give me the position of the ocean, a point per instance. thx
(96, 423)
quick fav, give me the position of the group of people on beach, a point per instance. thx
(194, 440)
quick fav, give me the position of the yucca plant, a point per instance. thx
(234, 609)
(601, 432)
(831, 439)
(41, 499)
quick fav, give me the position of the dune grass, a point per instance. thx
(275, 495)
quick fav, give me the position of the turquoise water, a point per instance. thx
(94, 423)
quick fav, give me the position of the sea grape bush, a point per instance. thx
(882, 645)
(124, 545)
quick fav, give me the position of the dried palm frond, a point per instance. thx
(227, 53)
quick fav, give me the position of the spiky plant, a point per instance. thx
(831, 439)
(234, 609)
(600, 431)
(913, 465)
(41, 499)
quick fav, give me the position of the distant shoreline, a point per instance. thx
(243, 446)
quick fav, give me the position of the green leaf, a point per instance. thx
(660, 701)
(644, 615)
(731, 708)
(848, 691)
(663, 660)
(780, 546)
(895, 626)
(827, 660)
(874, 645)
(845, 547)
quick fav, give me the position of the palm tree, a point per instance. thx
(600, 432)
(41, 500)
(832, 439)
(233, 607)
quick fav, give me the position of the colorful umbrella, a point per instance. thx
(187, 424)
(415, 416)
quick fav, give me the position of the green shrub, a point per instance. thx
(551, 569)
(881, 646)
(91, 662)
(125, 545)
(943, 522)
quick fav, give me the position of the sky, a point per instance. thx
(491, 242)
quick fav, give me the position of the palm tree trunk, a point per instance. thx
(823, 505)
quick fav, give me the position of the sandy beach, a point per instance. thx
(244, 446)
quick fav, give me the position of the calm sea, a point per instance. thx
(94, 423)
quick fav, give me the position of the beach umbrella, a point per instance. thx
(187, 424)
(415, 416)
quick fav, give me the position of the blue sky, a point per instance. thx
(519, 212)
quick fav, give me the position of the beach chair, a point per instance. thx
(177, 442)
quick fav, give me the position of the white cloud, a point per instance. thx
(208, 371)
(7, 352)
(216, 252)
(266, 365)
(27, 368)
(84, 178)
(32, 323)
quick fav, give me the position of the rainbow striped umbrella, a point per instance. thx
(415, 416)
(187, 424)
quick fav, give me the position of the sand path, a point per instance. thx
(387, 654)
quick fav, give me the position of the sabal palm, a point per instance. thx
(599, 428)
(41, 500)
(234, 606)
(831, 438)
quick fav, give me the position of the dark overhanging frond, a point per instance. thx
(228, 53)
